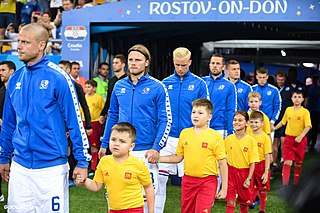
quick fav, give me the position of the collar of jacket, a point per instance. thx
(38, 65)
(143, 78)
(178, 76)
(218, 78)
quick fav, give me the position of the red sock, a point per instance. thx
(244, 209)
(285, 174)
(296, 174)
(94, 161)
(263, 201)
(230, 208)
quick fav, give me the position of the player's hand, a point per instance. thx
(272, 127)
(0, 122)
(222, 194)
(89, 132)
(246, 184)
(102, 152)
(5, 171)
(298, 139)
(264, 177)
(79, 180)
(80, 172)
(152, 155)
(101, 119)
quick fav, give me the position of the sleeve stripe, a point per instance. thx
(165, 135)
(85, 143)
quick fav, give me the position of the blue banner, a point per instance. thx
(76, 23)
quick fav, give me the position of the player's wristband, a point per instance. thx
(158, 160)
(249, 179)
(266, 169)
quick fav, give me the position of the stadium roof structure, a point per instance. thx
(243, 26)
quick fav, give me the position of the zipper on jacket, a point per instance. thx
(133, 89)
(179, 105)
(28, 98)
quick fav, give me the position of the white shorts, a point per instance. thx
(38, 190)
(170, 149)
(223, 133)
(153, 168)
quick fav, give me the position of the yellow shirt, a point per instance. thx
(264, 144)
(296, 120)
(8, 6)
(201, 151)
(123, 181)
(241, 153)
(265, 126)
(95, 104)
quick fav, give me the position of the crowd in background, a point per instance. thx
(15, 14)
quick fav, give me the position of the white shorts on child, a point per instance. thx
(38, 190)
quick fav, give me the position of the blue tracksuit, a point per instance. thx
(146, 106)
(243, 90)
(40, 102)
(181, 93)
(224, 98)
(271, 100)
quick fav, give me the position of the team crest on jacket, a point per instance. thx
(221, 87)
(170, 86)
(269, 93)
(191, 87)
(123, 90)
(145, 90)
(240, 90)
(245, 149)
(44, 84)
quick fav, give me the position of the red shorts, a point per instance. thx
(236, 178)
(259, 170)
(197, 194)
(133, 210)
(94, 138)
(294, 151)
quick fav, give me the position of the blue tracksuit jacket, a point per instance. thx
(224, 98)
(181, 93)
(271, 100)
(40, 102)
(146, 106)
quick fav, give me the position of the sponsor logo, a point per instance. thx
(269, 93)
(127, 175)
(204, 145)
(170, 86)
(245, 149)
(75, 33)
(240, 90)
(259, 144)
(44, 84)
(123, 90)
(18, 85)
(287, 88)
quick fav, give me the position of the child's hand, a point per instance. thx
(298, 139)
(264, 177)
(246, 184)
(222, 194)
